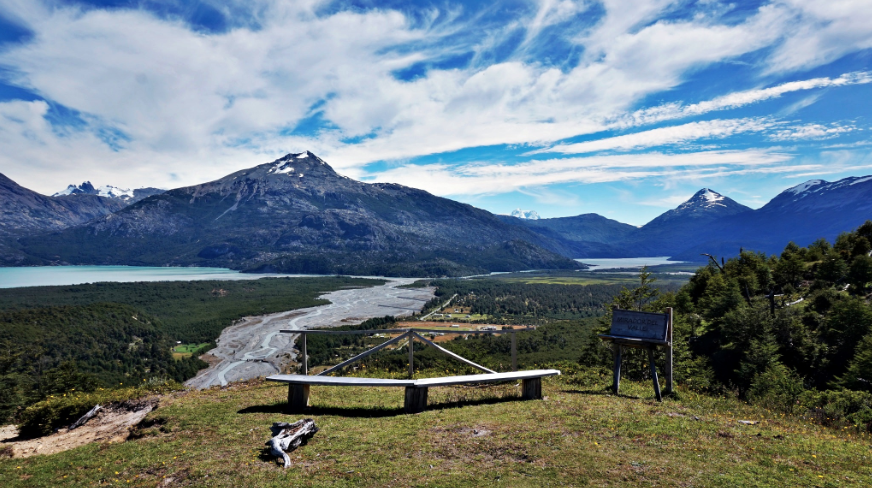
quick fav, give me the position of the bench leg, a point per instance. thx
(298, 397)
(654, 374)
(616, 382)
(416, 399)
(531, 389)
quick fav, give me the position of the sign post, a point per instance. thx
(642, 330)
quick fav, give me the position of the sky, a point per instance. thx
(623, 108)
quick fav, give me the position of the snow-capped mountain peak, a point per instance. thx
(815, 195)
(704, 198)
(87, 188)
(108, 191)
(525, 214)
(808, 185)
(294, 164)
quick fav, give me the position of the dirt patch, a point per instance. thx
(219, 292)
(111, 424)
(210, 359)
(476, 446)
(8, 432)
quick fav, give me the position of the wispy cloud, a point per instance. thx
(811, 132)
(672, 111)
(693, 131)
(443, 179)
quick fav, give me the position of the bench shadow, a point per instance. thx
(469, 403)
(363, 412)
(281, 408)
(600, 393)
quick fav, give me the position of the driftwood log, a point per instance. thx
(287, 437)
(84, 418)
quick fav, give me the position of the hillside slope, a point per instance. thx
(578, 436)
(586, 235)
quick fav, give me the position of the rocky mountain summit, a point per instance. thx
(108, 191)
(705, 205)
(296, 214)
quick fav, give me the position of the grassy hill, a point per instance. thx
(578, 435)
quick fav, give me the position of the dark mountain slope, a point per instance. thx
(802, 214)
(582, 236)
(690, 223)
(296, 214)
(24, 211)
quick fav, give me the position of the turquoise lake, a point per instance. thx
(75, 275)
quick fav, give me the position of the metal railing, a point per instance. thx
(411, 334)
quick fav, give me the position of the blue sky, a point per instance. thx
(619, 107)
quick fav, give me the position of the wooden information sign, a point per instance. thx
(643, 330)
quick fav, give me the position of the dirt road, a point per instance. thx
(254, 347)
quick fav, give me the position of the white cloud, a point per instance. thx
(711, 129)
(673, 111)
(820, 32)
(810, 132)
(551, 12)
(482, 179)
(203, 104)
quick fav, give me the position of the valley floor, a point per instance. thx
(579, 435)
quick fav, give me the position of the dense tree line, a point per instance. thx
(792, 331)
(54, 350)
(508, 302)
(803, 315)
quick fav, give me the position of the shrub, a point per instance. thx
(834, 407)
(776, 388)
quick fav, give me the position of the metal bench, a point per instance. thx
(416, 390)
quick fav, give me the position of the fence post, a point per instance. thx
(514, 350)
(411, 356)
(305, 355)
(669, 352)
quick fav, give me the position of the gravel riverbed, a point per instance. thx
(254, 347)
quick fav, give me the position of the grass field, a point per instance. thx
(182, 351)
(579, 435)
(586, 278)
(189, 348)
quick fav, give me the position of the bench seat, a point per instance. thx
(485, 378)
(300, 379)
(416, 390)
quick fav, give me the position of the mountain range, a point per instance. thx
(297, 215)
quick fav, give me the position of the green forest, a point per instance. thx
(57, 339)
(791, 332)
